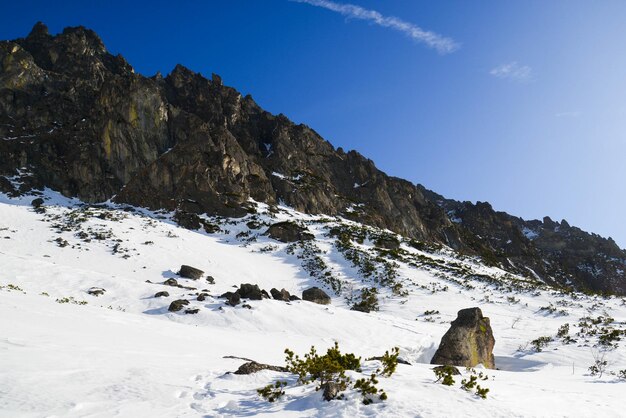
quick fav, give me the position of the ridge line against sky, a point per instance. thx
(442, 44)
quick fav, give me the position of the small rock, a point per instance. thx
(294, 297)
(171, 282)
(280, 294)
(96, 291)
(202, 296)
(210, 279)
(192, 311)
(245, 305)
(37, 203)
(189, 272)
(178, 305)
(331, 390)
(316, 295)
(161, 294)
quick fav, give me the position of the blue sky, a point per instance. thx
(528, 112)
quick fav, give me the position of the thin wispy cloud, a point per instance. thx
(441, 44)
(513, 71)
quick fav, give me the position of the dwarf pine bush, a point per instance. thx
(272, 392)
(329, 371)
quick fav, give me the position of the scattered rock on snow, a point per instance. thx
(468, 342)
(37, 203)
(178, 305)
(234, 299)
(192, 311)
(171, 282)
(202, 296)
(189, 272)
(280, 294)
(250, 291)
(316, 295)
(96, 291)
(161, 294)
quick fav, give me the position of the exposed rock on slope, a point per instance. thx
(79, 120)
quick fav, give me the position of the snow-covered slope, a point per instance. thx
(65, 352)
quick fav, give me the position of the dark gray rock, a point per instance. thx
(331, 390)
(253, 367)
(96, 291)
(288, 232)
(161, 294)
(178, 305)
(192, 311)
(171, 282)
(316, 295)
(202, 296)
(468, 342)
(37, 203)
(293, 297)
(250, 291)
(388, 242)
(280, 294)
(234, 299)
(189, 272)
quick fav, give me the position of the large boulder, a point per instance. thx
(288, 232)
(190, 272)
(468, 342)
(316, 295)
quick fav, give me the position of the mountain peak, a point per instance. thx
(38, 31)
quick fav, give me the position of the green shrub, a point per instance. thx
(540, 343)
(328, 368)
(368, 389)
(272, 392)
(329, 371)
(390, 362)
(444, 374)
(368, 302)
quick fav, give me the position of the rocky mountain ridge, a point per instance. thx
(79, 120)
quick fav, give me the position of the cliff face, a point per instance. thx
(79, 120)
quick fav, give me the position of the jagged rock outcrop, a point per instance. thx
(79, 120)
(468, 342)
